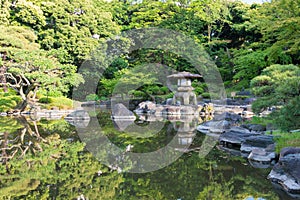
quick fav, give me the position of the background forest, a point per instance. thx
(256, 48)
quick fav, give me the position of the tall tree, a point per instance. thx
(29, 69)
(279, 23)
(73, 28)
(13, 39)
(276, 86)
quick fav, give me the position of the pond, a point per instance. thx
(51, 159)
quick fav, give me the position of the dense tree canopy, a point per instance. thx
(55, 36)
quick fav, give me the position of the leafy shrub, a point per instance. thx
(62, 103)
(137, 93)
(288, 117)
(92, 97)
(199, 90)
(9, 102)
(153, 89)
(46, 100)
(243, 97)
(170, 95)
(102, 98)
(59, 102)
(164, 89)
(205, 95)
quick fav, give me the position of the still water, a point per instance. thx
(51, 159)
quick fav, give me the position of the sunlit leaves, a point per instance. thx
(276, 86)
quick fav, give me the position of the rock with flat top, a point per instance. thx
(120, 111)
(286, 172)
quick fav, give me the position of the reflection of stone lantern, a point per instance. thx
(185, 90)
(185, 128)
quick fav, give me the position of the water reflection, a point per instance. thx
(62, 169)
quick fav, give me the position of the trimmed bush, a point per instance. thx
(9, 102)
(59, 102)
(46, 100)
(92, 97)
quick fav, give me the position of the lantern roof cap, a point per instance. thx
(184, 75)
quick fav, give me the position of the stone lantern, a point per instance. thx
(185, 92)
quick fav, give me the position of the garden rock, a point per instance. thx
(286, 172)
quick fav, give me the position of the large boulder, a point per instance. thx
(78, 118)
(257, 141)
(288, 150)
(228, 116)
(239, 129)
(146, 107)
(214, 126)
(235, 136)
(121, 112)
(261, 155)
(286, 172)
(78, 115)
(255, 127)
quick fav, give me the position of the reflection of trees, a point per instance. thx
(47, 167)
(15, 145)
(215, 177)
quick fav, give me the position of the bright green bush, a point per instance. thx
(137, 93)
(92, 97)
(46, 100)
(288, 117)
(9, 102)
(59, 102)
(164, 89)
(205, 95)
(62, 103)
(170, 95)
(153, 90)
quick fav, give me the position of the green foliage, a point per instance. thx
(73, 28)
(92, 97)
(205, 95)
(46, 100)
(9, 125)
(279, 24)
(4, 12)
(248, 65)
(137, 94)
(13, 38)
(8, 101)
(27, 13)
(261, 120)
(58, 163)
(275, 86)
(57, 102)
(288, 117)
(286, 139)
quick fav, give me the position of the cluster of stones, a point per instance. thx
(175, 110)
(248, 140)
(286, 173)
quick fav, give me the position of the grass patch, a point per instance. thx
(260, 120)
(286, 139)
(62, 103)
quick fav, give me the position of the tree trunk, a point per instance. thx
(3, 78)
(209, 27)
(25, 97)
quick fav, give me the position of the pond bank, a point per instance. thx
(251, 142)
